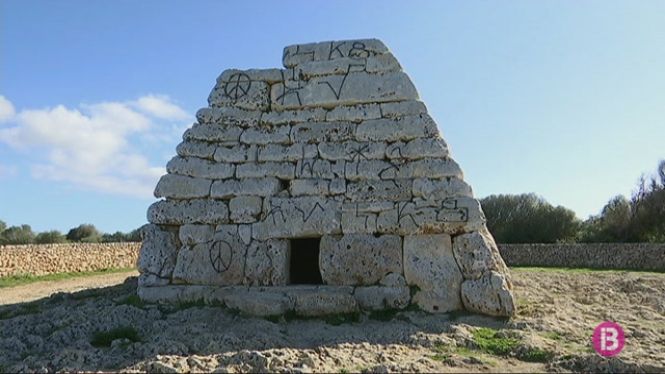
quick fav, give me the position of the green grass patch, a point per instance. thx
(18, 280)
(22, 310)
(534, 354)
(489, 341)
(190, 304)
(133, 300)
(383, 315)
(553, 335)
(105, 338)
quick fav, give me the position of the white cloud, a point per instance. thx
(161, 106)
(95, 146)
(6, 109)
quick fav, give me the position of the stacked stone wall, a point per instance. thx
(71, 257)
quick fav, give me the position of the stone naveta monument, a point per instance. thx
(323, 187)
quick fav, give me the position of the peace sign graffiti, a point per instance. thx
(221, 255)
(237, 86)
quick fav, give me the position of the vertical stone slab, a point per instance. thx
(267, 263)
(429, 264)
(490, 294)
(158, 251)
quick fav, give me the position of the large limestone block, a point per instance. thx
(298, 217)
(241, 91)
(213, 133)
(430, 265)
(379, 297)
(267, 263)
(440, 189)
(322, 300)
(294, 152)
(354, 113)
(190, 234)
(418, 148)
(477, 254)
(374, 64)
(261, 302)
(450, 216)
(429, 168)
(371, 169)
(491, 294)
(348, 89)
(245, 209)
(176, 212)
(402, 108)
(399, 129)
(318, 132)
(266, 135)
(330, 50)
(243, 187)
(182, 187)
(293, 116)
(360, 217)
(358, 259)
(199, 168)
(235, 154)
(219, 262)
(158, 251)
(318, 187)
(319, 168)
(228, 116)
(352, 151)
(265, 75)
(281, 170)
(194, 148)
(379, 190)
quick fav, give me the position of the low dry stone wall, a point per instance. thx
(71, 257)
(635, 256)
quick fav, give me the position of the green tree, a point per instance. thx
(50, 237)
(3, 226)
(528, 218)
(17, 235)
(84, 233)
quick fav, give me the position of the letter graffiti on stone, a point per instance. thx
(338, 92)
(288, 90)
(450, 212)
(237, 86)
(221, 256)
(306, 218)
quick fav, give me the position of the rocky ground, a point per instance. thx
(109, 329)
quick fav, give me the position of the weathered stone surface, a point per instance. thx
(236, 153)
(322, 300)
(318, 132)
(261, 303)
(158, 251)
(266, 135)
(371, 169)
(151, 280)
(491, 294)
(449, 216)
(429, 168)
(245, 209)
(293, 116)
(319, 168)
(352, 151)
(220, 262)
(300, 187)
(477, 254)
(361, 217)
(359, 259)
(354, 113)
(193, 148)
(379, 190)
(196, 167)
(281, 170)
(440, 189)
(373, 64)
(243, 187)
(174, 293)
(267, 263)
(265, 75)
(430, 265)
(182, 187)
(337, 186)
(361, 48)
(191, 234)
(228, 116)
(418, 148)
(242, 92)
(172, 212)
(349, 89)
(378, 297)
(213, 133)
(298, 217)
(295, 152)
(402, 108)
(401, 129)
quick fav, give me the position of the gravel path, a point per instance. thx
(39, 290)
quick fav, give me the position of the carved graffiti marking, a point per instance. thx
(221, 256)
(338, 92)
(306, 218)
(237, 86)
(287, 90)
(450, 212)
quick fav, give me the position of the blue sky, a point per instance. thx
(562, 98)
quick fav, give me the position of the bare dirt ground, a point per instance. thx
(557, 313)
(39, 290)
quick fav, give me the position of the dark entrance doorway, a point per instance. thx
(305, 261)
